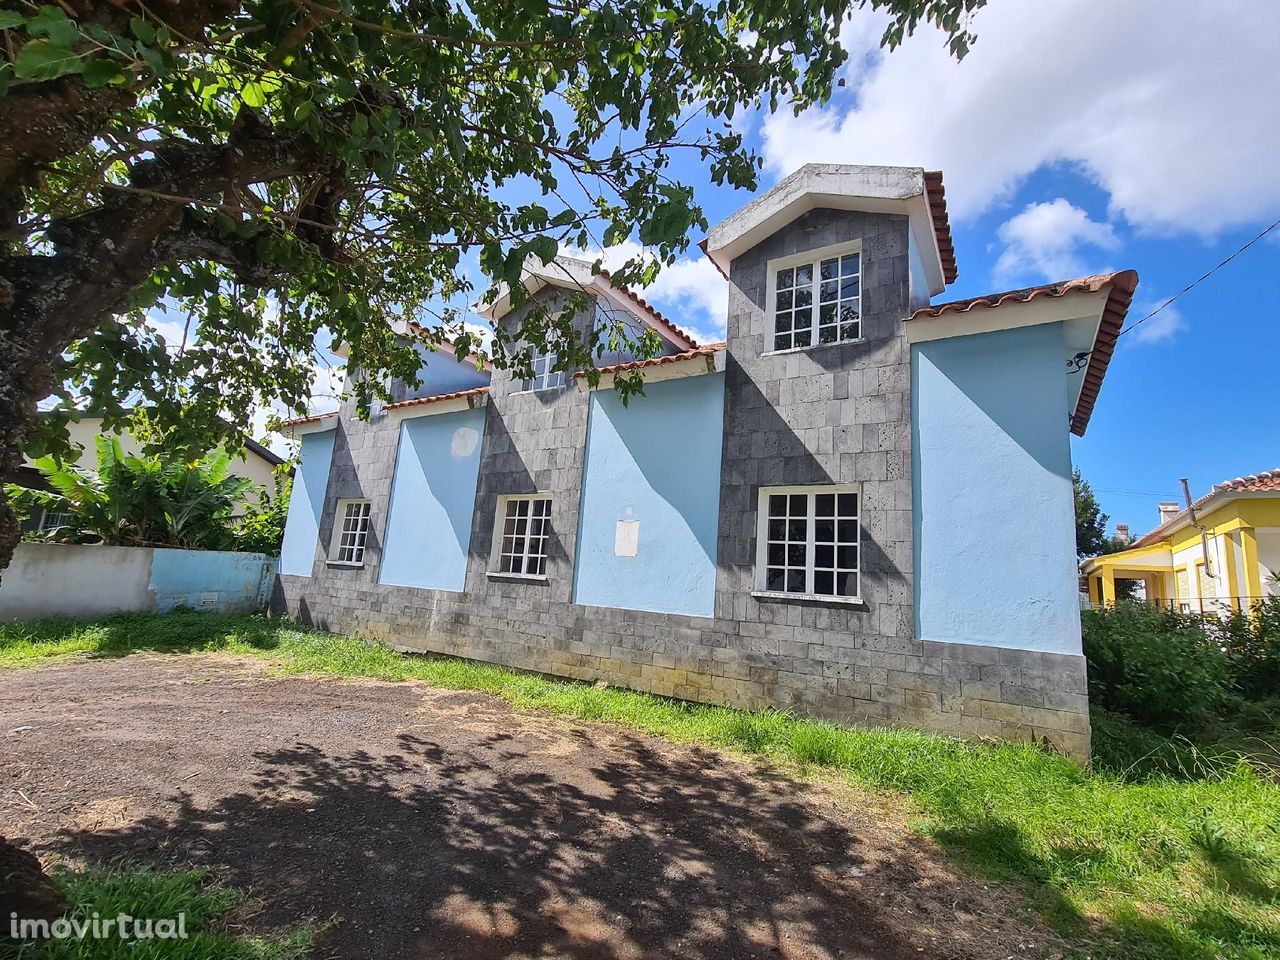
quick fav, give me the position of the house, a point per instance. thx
(804, 516)
(1214, 557)
(255, 462)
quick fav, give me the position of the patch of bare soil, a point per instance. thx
(432, 824)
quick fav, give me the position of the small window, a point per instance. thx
(818, 302)
(808, 541)
(53, 519)
(524, 529)
(349, 538)
(544, 378)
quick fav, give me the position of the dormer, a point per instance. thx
(614, 304)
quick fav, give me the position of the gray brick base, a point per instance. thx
(806, 662)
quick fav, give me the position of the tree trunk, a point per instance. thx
(25, 889)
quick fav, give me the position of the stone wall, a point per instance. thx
(835, 414)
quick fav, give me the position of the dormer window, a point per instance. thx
(544, 377)
(816, 298)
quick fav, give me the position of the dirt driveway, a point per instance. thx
(430, 824)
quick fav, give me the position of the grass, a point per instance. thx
(154, 895)
(1162, 851)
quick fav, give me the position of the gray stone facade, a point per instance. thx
(838, 413)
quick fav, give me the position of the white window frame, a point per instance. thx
(762, 543)
(811, 258)
(360, 532)
(46, 514)
(498, 554)
(544, 378)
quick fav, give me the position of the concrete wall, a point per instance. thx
(994, 523)
(306, 504)
(655, 465)
(82, 580)
(433, 497)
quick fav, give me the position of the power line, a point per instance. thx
(1199, 280)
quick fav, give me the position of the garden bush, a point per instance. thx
(1250, 641)
(1155, 666)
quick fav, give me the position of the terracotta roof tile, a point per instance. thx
(421, 401)
(314, 418)
(1122, 285)
(936, 194)
(647, 307)
(1265, 482)
(706, 350)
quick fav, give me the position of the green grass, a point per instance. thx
(154, 895)
(1151, 856)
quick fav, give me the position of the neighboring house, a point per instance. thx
(256, 462)
(1220, 561)
(858, 507)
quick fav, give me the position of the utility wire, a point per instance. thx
(1199, 280)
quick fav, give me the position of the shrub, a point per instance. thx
(1251, 641)
(1154, 666)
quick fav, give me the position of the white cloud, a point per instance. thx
(1163, 103)
(1047, 241)
(1162, 327)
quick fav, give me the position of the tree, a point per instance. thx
(1091, 522)
(269, 169)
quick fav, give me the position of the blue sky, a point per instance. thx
(1078, 136)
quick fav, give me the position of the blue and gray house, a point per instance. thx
(857, 507)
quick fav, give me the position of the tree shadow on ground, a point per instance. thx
(435, 852)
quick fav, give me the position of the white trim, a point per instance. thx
(360, 532)
(657, 372)
(453, 405)
(811, 491)
(323, 425)
(1009, 316)
(496, 552)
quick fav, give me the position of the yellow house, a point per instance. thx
(1221, 560)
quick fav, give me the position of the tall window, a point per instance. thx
(544, 378)
(819, 302)
(348, 542)
(525, 528)
(808, 541)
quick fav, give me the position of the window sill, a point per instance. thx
(344, 563)
(527, 577)
(776, 596)
(813, 346)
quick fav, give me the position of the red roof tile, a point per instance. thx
(1265, 482)
(420, 401)
(706, 350)
(936, 194)
(648, 308)
(1122, 285)
(314, 418)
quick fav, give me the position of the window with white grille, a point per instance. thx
(524, 530)
(808, 541)
(817, 302)
(53, 519)
(544, 378)
(350, 533)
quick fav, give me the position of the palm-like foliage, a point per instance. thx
(130, 500)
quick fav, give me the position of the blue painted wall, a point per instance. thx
(211, 580)
(306, 504)
(441, 373)
(991, 489)
(433, 496)
(656, 462)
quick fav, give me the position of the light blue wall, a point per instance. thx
(657, 462)
(433, 497)
(211, 580)
(306, 504)
(441, 373)
(993, 509)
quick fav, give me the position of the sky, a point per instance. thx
(1078, 136)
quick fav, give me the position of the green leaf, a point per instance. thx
(10, 19)
(43, 60)
(253, 95)
(142, 30)
(99, 73)
(51, 22)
